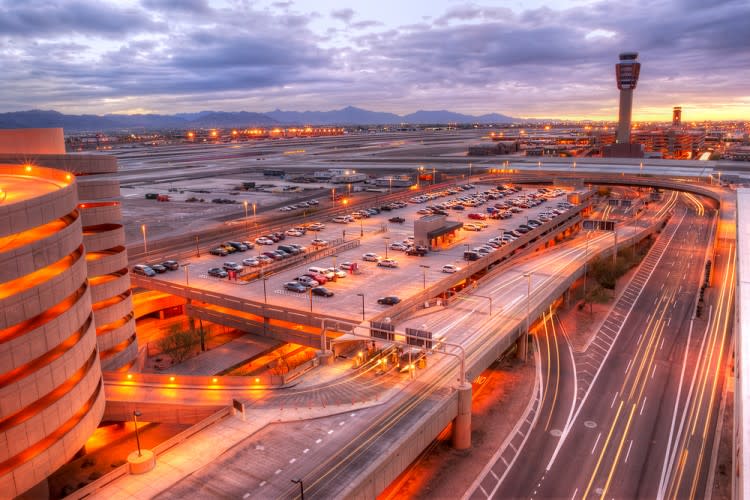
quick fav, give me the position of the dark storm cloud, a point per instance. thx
(170, 6)
(470, 54)
(40, 19)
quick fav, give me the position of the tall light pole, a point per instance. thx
(137, 414)
(528, 313)
(145, 244)
(361, 228)
(247, 230)
(197, 248)
(424, 275)
(265, 296)
(390, 183)
(386, 238)
(301, 488)
(255, 219)
(187, 274)
(363, 304)
(433, 176)
(586, 264)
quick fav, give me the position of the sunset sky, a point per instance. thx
(526, 58)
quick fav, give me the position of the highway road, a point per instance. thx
(644, 428)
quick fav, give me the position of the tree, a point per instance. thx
(178, 343)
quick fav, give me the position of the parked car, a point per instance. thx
(293, 232)
(228, 248)
(398, 220)
(171, 265)
(388, 263)
(158, 268)
(240, 247)
(217, 272)
(371, 257)
(306, 281)
(322, 271)
(418, 250)
(389, 300)
(248, 244)
(299, 247)
(338, 273)
(319, 243)
(251, 262)
(397, 246)
(320, 278)
(450, 268)
(143, 270)
(293, 286)
(341, 219)
(346, 266)
(232, 266)
(321, 291)
(477, 216)
(221, 251)
(264, 241)
(264, 259)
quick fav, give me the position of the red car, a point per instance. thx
(476, 216)
(317, 277)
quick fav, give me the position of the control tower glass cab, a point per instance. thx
(627, 71)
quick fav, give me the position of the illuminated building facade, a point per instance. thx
(103, 234)
(677, 116)
(51, 394)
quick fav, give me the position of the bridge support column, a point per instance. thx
(462, 422)
(325, 357)
(522, 346)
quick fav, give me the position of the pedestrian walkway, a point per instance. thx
(225, 356)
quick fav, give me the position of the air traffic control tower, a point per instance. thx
(627, 71)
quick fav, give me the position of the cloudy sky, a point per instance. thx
(524, 58)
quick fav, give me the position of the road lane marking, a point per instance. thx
(574, 494)
(614, 399)
(330, 431)
(669, 320)
(604, 449)
(494, 475)
(305, 450)
(262, 483)
(292, 460)
(662, 341)
(643, 405)
(628, 367)
(619, 450)
(596, 442)
(318, 441)
(246, 495)
(628, 453)
(342, 423)
(653, 371)
(278, 471)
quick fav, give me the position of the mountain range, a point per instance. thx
(205, 119)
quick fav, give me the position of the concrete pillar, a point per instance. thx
(522, 344)
(325, 357)
(462, 422)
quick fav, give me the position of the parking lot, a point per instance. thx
(412, 274)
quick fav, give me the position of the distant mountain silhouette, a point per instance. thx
(349, 115)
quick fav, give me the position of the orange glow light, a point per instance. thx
(257, 380)
(171, 379)
(130, 376)
(28, 168)
(214, 380)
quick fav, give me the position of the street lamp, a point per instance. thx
(586, 264)
(527, 275)
(145, 244)
(301, 488)
(137, 414)
(265, 297)
(255, 219)
(246, 228)
(187, 274)
(386, 238)
(390, 183)
(424, 275)
(197, 248)
(363, 305)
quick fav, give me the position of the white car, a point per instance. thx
(450, 268)
(319, 243)
(335, 272)
(251, 262)
(342, 219)
(371, 257)
(263, 241)
(388, 263)
(293, 232)
(471, 227)
(397, 246)
(307, 281)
